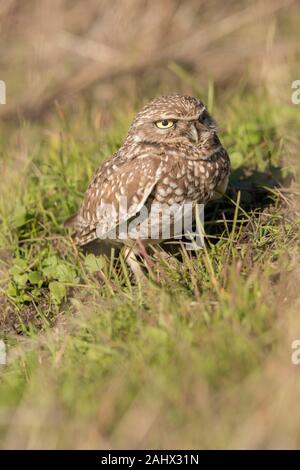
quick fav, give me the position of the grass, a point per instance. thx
(199, 356)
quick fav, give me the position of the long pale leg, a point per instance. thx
(133, 263)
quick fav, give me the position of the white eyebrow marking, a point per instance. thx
(202, 111)
(173, 117)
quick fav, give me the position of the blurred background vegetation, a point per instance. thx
(200, 356)
(57, 50)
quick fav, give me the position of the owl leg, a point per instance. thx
(143, 252)
(133, 264)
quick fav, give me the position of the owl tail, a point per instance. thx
(81, 235)
(71, 221)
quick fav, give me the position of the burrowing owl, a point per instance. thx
(171, 155)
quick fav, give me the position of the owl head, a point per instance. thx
(174, 118)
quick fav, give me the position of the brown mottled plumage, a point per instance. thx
(172, 154)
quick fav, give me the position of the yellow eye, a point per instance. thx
(165, 124)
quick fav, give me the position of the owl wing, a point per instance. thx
(117, 192)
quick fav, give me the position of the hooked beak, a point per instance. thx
(194, 133)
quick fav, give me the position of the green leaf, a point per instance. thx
(34, 277)
(50, 272)
(20, 280)
(19, 266)
(58, 270)
(57, 291)
(24, 298)
(51, 261)
(11, 290)
(93, 263)
(65, 273)
(19, 217)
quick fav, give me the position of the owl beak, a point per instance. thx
(194, 133)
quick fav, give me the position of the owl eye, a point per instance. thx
(165, 124)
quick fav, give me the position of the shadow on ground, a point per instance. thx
(255, 189)
(255, 195)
